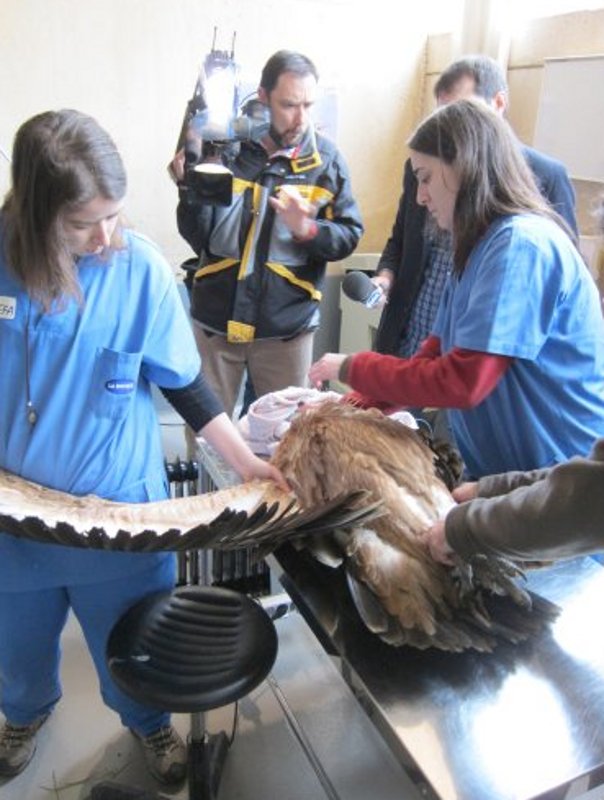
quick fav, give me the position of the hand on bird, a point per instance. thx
(466, 491)
(435, 537)
(436, 541)
(262, 470)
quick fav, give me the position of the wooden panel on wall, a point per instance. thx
(525, 86)
(570, 116)
(579, 33)
(439, 53)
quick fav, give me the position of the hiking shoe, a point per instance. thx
(165, 754)
(17, 746)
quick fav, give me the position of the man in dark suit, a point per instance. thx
(417, 257)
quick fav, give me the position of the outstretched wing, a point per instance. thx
(250, 514)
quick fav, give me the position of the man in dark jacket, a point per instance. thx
(256, 292)
(418, 257)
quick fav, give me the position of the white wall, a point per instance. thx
(133, 63)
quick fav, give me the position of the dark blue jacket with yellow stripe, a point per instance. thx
(254, 280)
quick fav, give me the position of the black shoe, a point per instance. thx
(165, 754)
(17, 746)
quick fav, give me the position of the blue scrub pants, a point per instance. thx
(30, 651)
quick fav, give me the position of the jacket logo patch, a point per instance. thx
(119, 386)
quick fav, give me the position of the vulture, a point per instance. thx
(400, 592)
(364, 488)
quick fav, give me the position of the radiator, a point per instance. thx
(235, 570)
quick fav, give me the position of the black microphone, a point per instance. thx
(357, 286)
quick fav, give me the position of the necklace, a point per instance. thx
(32, 414)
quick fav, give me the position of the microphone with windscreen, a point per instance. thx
(357, 286)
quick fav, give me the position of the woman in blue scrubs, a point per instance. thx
(516, 351)
(90, 317)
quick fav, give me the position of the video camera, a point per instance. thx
(214, 125)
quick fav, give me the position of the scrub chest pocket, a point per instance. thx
(114, 383)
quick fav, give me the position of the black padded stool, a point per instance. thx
(191, 650)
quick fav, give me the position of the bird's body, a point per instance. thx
(334, 447)
(365, 488)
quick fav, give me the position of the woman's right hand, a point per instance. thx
(327, 368)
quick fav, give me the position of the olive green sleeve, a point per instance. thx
(557, 514)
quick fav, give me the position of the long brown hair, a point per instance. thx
(494, 177)
(61, 160)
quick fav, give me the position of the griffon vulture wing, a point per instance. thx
(250, 514)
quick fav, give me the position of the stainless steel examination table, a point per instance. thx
(522, 723)
(518, 724)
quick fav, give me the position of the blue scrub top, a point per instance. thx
(526, 293)
(90, 369)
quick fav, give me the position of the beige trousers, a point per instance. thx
(272, 364)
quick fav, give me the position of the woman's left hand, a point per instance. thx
(226, 439)
(263, 470)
